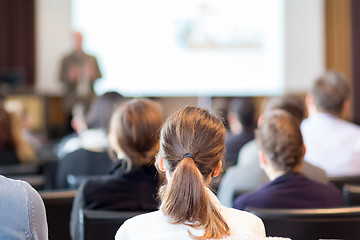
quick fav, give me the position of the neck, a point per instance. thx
(273, 173)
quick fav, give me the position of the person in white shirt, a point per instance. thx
(192, 145)
(331, 142)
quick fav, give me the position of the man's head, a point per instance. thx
(329, 93)
(241, 110)
(78, 40)
(291, 104)
(280, 141)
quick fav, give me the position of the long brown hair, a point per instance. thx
(185, 198)
(135, 127)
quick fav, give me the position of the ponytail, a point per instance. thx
(185, 200)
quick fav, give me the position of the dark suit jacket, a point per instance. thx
(132, 191)
(292, 190)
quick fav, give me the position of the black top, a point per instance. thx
(8, 157)
(132, 191)
(292, 190)
(82, 162)
(234, 143)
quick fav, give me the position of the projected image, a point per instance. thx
(211, 27)
(185, 47)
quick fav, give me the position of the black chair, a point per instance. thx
(340, 181)
(58, 205)
(311, 224)
(28, 172)
(98, 224)
(351, 195)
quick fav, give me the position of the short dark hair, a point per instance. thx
(244, 109)
(101, 110)
(280, 138)
(290, 103)
(330, 92)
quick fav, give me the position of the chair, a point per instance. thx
(28, 172)
(58, 205)
(351, 195)
(99, 224)
(311, 224)
(340, 181)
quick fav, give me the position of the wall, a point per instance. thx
(53, 40)
(304, 39)
(305, 44)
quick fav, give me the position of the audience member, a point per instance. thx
(332, 143)
(79, 71)
(242, 124)
(89, 150)
(281, 156)
(247, 174)
(13, 147)
(133, 183)
(192, 145)
(22, 211)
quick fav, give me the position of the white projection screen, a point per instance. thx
(185, 47)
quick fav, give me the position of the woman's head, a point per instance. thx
(192, 145)
(101, 110)
(280, 139)
(192, 130)
(134, 131)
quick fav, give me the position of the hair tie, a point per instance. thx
(188, 155)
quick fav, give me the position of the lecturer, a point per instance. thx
(79, 71)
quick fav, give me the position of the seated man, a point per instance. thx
(247, 174)
(242, 124)
(332, 143)
(281, 156)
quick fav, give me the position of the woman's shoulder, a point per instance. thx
(243, 222)
(236, 214)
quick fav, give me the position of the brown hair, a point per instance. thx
(101, 110)
(280, 138)
(135, 126)
(7, 141)
(292, 104)
(185, 198)
(330, 92)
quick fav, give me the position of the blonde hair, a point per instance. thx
(185, 198)
(135, 126)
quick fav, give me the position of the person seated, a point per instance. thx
(242, 125)
(22, 211)
(332, 143)
(89, 150)
(14, 149)
(192, 145)
(281, 152)
(247, 174)
(134, 181)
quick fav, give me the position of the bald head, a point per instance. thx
(78, 40)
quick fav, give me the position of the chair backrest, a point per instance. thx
(58, 205)
(340, 181)
(300, 224)
(98, 224)
(351, 195)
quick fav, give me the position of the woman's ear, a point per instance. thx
(217, 169)
(161, 165)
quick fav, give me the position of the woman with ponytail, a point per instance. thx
(191, 151)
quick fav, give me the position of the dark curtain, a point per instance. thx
(17, 44)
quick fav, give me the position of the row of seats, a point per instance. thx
(340, 223)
